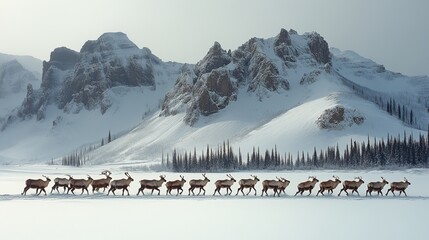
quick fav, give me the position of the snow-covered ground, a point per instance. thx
(59, 216)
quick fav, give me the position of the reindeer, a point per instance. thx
(376, 186)
(151, 184)
(399, 186)
(102, 183)
(354, 185)
(80, 184)
(61, 182)
(282, 186)
(247, 183)
(329, 185)
(177, 184)
(271, 184)
(307, 185)
(38, 184)
(121, 184)
(227, 183)
(198, 183)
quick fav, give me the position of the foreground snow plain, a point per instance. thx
(59, 216)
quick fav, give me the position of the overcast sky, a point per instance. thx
(391, 32)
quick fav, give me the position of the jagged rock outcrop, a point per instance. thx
(253, 64)
(283, 48)
(215, 58)
(319, 48)
(203, 90)
(339, 117)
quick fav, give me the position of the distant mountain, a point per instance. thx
(290, 91)
(30, 63)
(16, 72)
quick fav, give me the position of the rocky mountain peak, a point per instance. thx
(108, 42)
(215, 58)
(282, 38)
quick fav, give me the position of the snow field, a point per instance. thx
(220, 217)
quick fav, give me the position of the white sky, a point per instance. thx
(391, 32)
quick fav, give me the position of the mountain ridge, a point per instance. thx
(239, 95)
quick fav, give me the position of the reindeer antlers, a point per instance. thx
(44, 176)
(229, 175)
(106, 172)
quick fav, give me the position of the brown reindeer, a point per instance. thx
(399, 186)
(80, 184)
(329, 185)
(247, 183)
(61, 182)
(102, 183)
(151, 184)
(227, 183)
(376, 186)
(198, 183)
(123, 184)
(353, 185)
(271, 184)
(307, 185)
(282, 186)
(38, 184)
(176, 184)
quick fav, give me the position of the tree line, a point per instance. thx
(398, 151)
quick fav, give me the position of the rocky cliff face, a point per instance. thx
(259, 66)
(78, 80)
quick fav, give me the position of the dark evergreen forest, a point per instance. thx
(400, 151)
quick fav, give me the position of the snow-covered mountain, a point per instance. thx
(290, 91)
(110, 85)
(16, 72)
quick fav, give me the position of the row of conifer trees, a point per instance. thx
(398, 151)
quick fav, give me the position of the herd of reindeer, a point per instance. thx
(277, 186)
